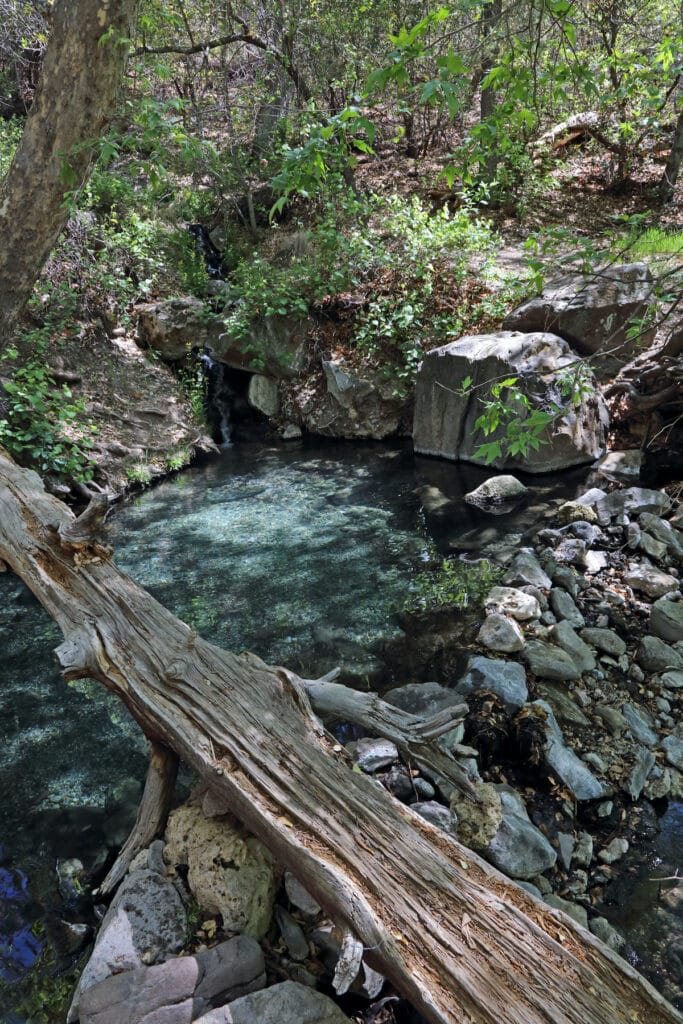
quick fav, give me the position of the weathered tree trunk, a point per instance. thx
(460, 941)
(81, 77)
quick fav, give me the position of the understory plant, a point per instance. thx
(42, 423)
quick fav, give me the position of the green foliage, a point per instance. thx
(454, 583)
(518, 423)
(42, 424)
(656, 242)
(421, 249)
(10, 133)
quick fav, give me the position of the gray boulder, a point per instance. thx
(444, 422)
(654, 655)
(651, 581)
(287, 1003)
(573, 772)
(518, 848)
(145, 925)
(593, 313)
(642, 766)
(571, 643)
(550, 662)
(565, 608)
(633, 501)
(264, 395)
(673, 746)
(604, 639)
(500, 633)
(176, 991)
(352, 405)
(526, 571)
(172, 326)
(666, 620)
(513, 602)
(506, 679)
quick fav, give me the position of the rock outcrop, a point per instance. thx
(598, 315)
(445, 416)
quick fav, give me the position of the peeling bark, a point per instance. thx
(458, 939)
(75, 100)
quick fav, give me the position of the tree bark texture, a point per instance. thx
(459, 940)
(75, 100)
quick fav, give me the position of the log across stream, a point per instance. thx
(460, 941)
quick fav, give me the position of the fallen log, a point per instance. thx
(460, 941)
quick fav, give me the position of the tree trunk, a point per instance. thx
(81, 77)
(490, 20)
(673, 163)
(458, 939)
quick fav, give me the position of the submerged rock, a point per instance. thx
(497, 491)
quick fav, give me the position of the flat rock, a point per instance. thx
(604, 640)
(550, 662)
(593, 313)
(640, 723)
(654, 655)
(643, 765)
(571, 643)
(507, 679)
(633, 501)
(566, 765)
(663, 530)
(299, 897)
(370, 755)
(672, 680)
(666, 620)
(647, 579)
(563, 706)
(436, 814)
(518, 848)
(573, 910)
(500, 633)
(286, 1003)
(565, 607)
(652, 547)
(425, 699)
(145, 925)
(513, 602)
(673, 747)
(164, 993)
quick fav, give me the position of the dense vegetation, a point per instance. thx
(395, 141)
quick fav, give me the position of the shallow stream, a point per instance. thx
(301, 554)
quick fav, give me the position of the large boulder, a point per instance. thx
(275, 345)
(594, 314)
(445, 416)
(145, 924)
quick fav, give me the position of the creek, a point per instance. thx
(301, 554)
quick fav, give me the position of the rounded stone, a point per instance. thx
(499, 633)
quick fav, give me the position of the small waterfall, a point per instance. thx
(219, 398)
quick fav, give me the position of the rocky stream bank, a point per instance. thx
(573, 678)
